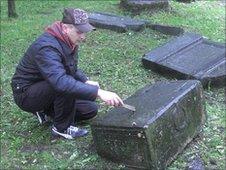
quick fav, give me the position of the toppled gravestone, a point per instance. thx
(114, 22)
(168, 115)
(123, 24)
(137, 6)
(190, 56)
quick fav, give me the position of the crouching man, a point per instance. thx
(48, 82)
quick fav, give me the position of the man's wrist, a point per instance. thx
(99, 92)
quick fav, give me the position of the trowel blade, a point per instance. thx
(129, 107)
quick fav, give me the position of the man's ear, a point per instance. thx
(64, 29)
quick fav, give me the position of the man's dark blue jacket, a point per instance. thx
(50, 59)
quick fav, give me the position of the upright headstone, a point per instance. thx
(137, 6)
(190, 56)
(168, 115)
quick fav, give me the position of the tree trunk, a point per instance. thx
(12, 9)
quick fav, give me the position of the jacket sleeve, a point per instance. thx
(79, 75)
(50, 65)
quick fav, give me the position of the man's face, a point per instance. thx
(74, 34)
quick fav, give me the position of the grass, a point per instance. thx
(112, 59)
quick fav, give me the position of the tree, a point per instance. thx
(12, 9)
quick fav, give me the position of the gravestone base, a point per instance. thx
(168, 116)
(186, 1)
(137, 6)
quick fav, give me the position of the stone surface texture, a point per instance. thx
(168, 116)
(190, 56)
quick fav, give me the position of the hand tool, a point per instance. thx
(129, 107)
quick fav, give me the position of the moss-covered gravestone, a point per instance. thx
(168, 115)
(190, 56)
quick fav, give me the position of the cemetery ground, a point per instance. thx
(114, 60)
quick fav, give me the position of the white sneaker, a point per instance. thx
(71, 132)
(42, 117)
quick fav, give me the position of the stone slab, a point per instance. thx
(190, 56)
(168, 115)
(123, 24)
(137, 6)
(114, 22)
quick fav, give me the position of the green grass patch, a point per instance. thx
(112, 59)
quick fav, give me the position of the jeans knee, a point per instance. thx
(87, 112)
(94, 110)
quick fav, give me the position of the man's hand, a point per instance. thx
(110, 98)
(94, 83)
